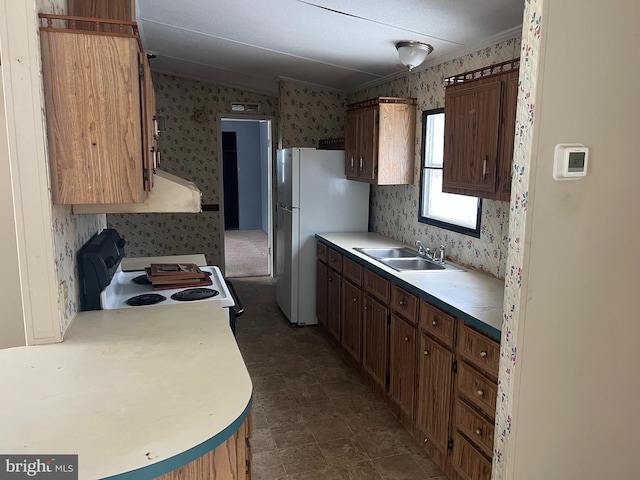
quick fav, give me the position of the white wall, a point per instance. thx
(577, 383)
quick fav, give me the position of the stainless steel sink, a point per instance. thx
(404, 259)
(378, 253)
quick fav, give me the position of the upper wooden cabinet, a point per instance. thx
(380, 141)
(480, 109)
(100, 113)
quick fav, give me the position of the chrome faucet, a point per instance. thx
(441, 254)
(422, 250)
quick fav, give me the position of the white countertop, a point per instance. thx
(471, 295)
(149, 388)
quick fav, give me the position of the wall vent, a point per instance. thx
(243, 107)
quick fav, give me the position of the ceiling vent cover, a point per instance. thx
(243, 107)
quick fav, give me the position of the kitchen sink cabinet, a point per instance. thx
(352, 319)
(402, 364)
(100, 114)
(479, 134)
(380, 141)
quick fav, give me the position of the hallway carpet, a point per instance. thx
(245, 253)
(313, 418)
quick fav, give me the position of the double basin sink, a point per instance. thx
(404, 259)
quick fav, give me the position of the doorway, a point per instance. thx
(246, 196)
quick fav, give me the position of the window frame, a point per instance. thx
(431, 221)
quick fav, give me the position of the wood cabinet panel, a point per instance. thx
(468, 462)
(334, 303)
(368, 144)
(433, 399)
(477, 389)
(111, 9)
(475, 427)
(437, 323)
(402, 364)
(377, 286)
(351, 144)
(334, 259)
(352, 319)
(479, 350)
(94, 127)
(404, 303)
(472, 121)
(507, 135)
(375, 340)
(321, 252)
(321, 293)
(352, 271)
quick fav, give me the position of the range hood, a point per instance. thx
(170, 194)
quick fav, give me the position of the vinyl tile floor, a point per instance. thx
(313, 418)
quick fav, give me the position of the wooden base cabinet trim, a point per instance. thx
(467, 461)
(229, 461)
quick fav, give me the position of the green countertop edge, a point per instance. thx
(188, 456)
(486, 328)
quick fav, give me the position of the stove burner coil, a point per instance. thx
(141, 280)
(194, 294)
(146, 299)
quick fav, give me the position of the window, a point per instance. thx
(459, 213)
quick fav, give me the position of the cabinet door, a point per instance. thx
(435, 378)
(149, 123)
(333, 303)
(351, 138)
(375, 340)
(402, 364)
(468, 462)
(321, 293)
(507, 137)
(472, 122)
(352, 319)
(368, 145)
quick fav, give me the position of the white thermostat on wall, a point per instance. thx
(570, 161)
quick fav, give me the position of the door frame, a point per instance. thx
(270, 155)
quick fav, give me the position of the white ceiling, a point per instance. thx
(344, 46)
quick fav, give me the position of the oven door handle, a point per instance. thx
(239, 307)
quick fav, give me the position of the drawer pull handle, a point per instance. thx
(478, 431)
(435, 323)
(483, 354)
(425, 440)
(480, 393)
(426, 352)
(355, 299)
(402, 303)
(406, 339)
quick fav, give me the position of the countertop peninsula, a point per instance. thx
(471, 295)
(134, 392)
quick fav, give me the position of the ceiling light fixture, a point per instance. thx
(412, 53)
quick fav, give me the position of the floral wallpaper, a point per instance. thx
(530, 56)
(189, 150)
(394, 209)
(309, 114)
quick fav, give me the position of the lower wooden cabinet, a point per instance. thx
(433, 398)
(352, 319)
(229, 461)
(402, 364)
(321, 293)
(468, 462)
(375, 340)
(333, 303)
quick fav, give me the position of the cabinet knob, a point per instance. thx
(426, 352)
(480, 392)
(366, 307)
(483, 354)
(484, 166)
(355, 299)
(478, 431)
(406, 339)
(352, 161)
(425, 440)
(360, 163)
(402, 303)
(435, 322)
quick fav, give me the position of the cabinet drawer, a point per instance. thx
(321, 252)
(376, 285)
(479, 350)
(469, 462)
(474, 426)
(404, 303)
(352, 271)
(334, 259)
(437, 323)
(478, 389)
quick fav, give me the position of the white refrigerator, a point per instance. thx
(313, 196)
